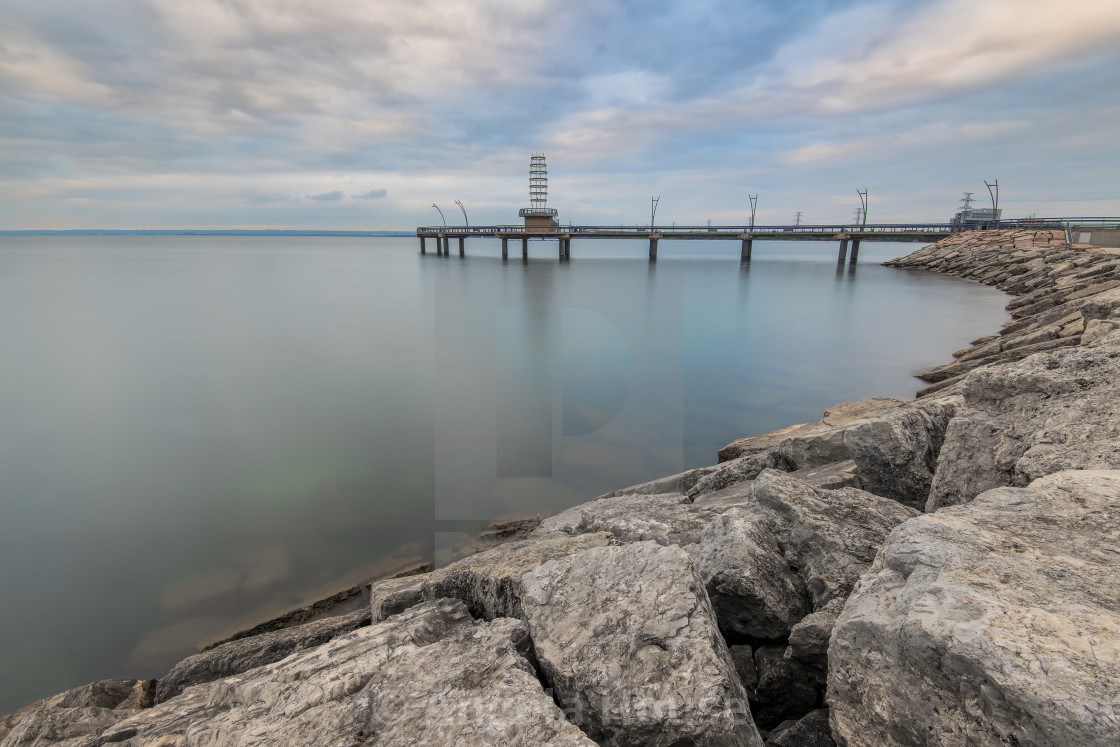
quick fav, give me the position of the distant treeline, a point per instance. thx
(201, 232)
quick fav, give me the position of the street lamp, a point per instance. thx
(995, 197)
(465, 220)
(653, 209)
(754, 207)
(440, 214)
(863, 203)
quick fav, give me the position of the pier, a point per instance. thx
(848, 237)
(541, 222)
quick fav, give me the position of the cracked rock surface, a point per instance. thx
(628, 640)
(992, 623)
(431, 675)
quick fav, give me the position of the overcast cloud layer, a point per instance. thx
(358, 114)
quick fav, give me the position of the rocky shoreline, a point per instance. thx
(935, 572)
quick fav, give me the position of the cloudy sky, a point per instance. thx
(359, 114)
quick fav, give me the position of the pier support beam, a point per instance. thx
(855, 252)
(524, 247)
(745, 255)
(447, 246)
(462, 251)
(505, 248)
(567, 247)
(653, 245)
(843, 255)
(560, 245)
(422, 245)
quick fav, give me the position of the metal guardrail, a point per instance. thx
(876, 229)
(735, 231)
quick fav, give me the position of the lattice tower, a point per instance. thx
(538, 182)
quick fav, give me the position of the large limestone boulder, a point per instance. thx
(750, 583)
(490, 582)
(82, 712)
(897, 452)
(1021, 421)
(668, 519)
(243, 654)
(789, 551)
(628, 641)
(837, 415)
(810, 731)
(993, 623)
(681, 482)
(430, 675)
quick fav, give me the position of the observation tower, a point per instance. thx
(537, 216)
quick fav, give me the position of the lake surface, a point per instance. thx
(199, 432)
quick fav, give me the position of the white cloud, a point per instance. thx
(873, 54)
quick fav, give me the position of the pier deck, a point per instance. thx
(847, 235)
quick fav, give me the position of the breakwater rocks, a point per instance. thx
(935, 572)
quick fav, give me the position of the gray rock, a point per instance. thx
(244, 654)
(628, 641)
(1021, 421)
(1098, 329)
(841, 414)
(790, 550)
(897, 453)
(804, 450)
(736, 471)
(783, 692)
(391, 596)
(811, 731)
(808, 641)
(749, 445)
(992, 623)
(681, 482)
(431, 675)
(668, 519)
(831, 476)
(64, 726)
(752, 588)
(490, 582)
(507, 530)
(80, 712)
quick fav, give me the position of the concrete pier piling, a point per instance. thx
(843, 255)
(748, 245)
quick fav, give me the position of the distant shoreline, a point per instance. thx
(200, 232)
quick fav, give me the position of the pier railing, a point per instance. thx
(848, 234)
(871, 230)
(828, 231)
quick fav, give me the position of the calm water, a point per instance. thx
(198, 432)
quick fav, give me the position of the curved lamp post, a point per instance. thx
(440, 214)
(995, 197)
(465, 219)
